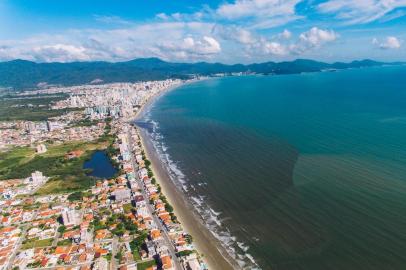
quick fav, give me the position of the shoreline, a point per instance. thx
(213, 253)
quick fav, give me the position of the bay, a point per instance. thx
(302, 171)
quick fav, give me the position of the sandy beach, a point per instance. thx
(214, 255)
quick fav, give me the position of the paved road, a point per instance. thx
(114, 243)
(57, 235)
(157, 221)
(17, 247)
(70, 266)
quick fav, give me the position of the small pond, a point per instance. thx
(100, 165)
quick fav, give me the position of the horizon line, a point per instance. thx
(197, 62)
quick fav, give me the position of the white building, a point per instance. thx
(122, 194)
(101, 264)
(70, 217)
(37, 178)
(41, 148)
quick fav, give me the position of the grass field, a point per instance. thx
(66, 175)
(30, 109)
(145, 265)
(37, 243)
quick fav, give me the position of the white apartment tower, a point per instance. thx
(69, 217)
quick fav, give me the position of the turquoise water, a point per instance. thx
(298, 171)
(100, 165)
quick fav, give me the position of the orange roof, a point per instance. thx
(82, 257)
(166, 262)
(164, 216)
(101, 251)
(100, 234)
(7, 229)
(155, 233)
(62, 250)
(159, 205)
(67, 258)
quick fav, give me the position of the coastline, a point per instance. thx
(213, 253)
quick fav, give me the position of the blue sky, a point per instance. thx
(228, 31)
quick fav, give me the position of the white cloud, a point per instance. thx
(286, 34)
(274, 48)
(181, 16)
(262, 13)
(234, 33)
(162, 16)
(142, 40)
(307, 41)
(191, 48)
(60, 53)
(314, 38)
(111, 19)
(361, 11)
(388, 43)
(168, 40)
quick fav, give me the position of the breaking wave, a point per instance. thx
(212, 219)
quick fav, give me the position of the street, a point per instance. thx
(166, 237)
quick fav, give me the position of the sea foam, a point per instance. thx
(212, 219)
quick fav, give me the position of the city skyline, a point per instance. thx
(239, 31)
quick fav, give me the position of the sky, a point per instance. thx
(227, 31)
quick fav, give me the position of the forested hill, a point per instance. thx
(21, 74)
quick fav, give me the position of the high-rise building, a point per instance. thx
(37, 178)
(70, 217)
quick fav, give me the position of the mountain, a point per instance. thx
(22, 74)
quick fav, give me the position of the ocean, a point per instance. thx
(304, 171)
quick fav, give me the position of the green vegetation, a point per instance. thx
(85, 123)
(147, 163)
(62, 229)
(184, 253)
(32, 243)
(30, 108)
(98, 224)
(119, 256)
(65, 242)
(34, 264)
(127, 208)
(136, 244)
(13, 158)
(121, 223)
(66, 175)
(108, 256)
(145, 265)
(136, 256)
(124, 224)
(168, 207)
(78, 195)
(189, 239)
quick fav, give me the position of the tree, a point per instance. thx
(62, 229)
